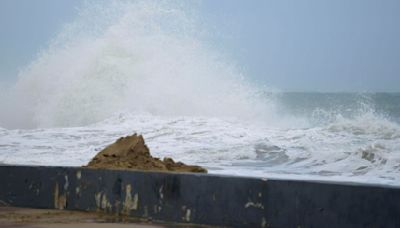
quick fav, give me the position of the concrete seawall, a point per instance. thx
(201, 198)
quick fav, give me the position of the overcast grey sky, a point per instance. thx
(309, 45)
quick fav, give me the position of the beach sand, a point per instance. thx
(13, 217)
(27, 217)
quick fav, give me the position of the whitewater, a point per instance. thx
(147, 67)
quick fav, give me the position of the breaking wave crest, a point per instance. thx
(124, 56)
(367, 124)
(146, 67)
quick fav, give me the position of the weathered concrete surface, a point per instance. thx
(202, 198)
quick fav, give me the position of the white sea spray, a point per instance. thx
(145, 66)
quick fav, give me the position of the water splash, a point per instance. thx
(146, 67)
(140, 56)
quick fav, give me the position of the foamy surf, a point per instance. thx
(111, 73)
(222, 146)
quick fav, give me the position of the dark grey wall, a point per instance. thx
(202, 198)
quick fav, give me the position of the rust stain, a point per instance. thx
(60, 201)
(56, 196)
(97, 198)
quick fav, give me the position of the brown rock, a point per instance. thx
(131, 152)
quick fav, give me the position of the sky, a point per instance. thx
(291, 45)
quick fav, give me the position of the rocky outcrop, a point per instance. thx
(131, 152)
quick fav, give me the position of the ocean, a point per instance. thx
(141, 67)
(335, 138)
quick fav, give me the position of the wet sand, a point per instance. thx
(27, 217)
(15, 217)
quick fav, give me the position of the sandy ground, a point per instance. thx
(13, 217)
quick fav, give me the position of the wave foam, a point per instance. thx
(141, 56)
(367, 124)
